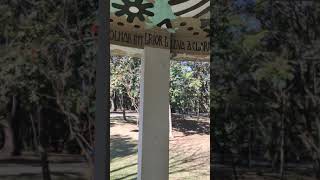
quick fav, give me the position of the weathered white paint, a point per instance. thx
(153, 149)
(117, 50)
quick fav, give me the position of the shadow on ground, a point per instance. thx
(54, 176)
(34, 159)
(119, 119)
(121, 146)
(180, 162)
(184, 161)
(226, 173)
(259, 171)
(190, 127)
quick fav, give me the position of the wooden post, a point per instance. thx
(102, 116)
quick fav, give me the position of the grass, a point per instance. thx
(124, 168)
(187, 161)
(181, 167)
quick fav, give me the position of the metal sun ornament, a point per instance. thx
(133, 9)
(161, 13)
(158, 13)
(187, 22)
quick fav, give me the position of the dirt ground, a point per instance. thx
(27, 167)
(189, 147)
(189, 154)
(189, 144)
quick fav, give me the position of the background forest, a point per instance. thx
(47, 80)
(264, 86)
(265, 80)
(189, 86)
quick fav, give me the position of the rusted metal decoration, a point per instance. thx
(179, 25)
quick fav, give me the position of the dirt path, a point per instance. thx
(189, 154)
(189, 148)
(180, 141)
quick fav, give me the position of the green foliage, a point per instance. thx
(125, 79)
(277, 71)
(251, 41)
(48, 58)
(264, 84)
(188, 84)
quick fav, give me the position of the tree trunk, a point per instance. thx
(90, 131)
(123, 108)
(124, 114)
(170, 123)
(274, 148)
(198, 110)
(282, 142)
(45, 165)
(316, 167)
(112, 105)
(8, 146)
(250, 147)
(88, 152)
(15, 127)
(43, 145)
(317, 160)
(115, 102)
(234, 167)
(274, 162)
(282, 155)
(34, 132)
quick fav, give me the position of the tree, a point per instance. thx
(52, 43)
(125, 80)
(189, 86)
(262, 78)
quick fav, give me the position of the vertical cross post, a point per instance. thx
(153, 149)
(102, 116)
